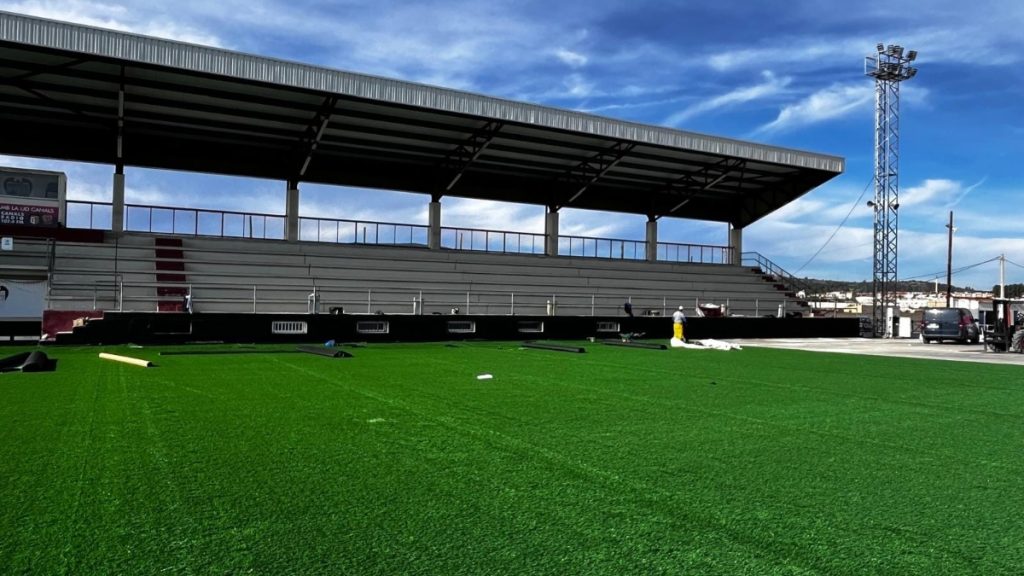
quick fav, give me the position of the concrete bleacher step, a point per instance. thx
(223, 273)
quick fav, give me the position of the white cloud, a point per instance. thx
(770, 86)
(115, 17)
(933, 191)
(576, 85)
(570, 58)
(836, 101)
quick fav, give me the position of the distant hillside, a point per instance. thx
(864, 286)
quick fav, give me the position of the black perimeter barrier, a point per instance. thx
(170, 327)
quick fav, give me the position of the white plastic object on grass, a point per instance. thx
(484, 376)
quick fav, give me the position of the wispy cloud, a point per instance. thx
(116, 17)
(833, 102)
(570, 58)
(770, 86)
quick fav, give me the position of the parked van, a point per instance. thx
(949, 324)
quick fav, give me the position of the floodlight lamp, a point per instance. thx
(871, 203)
(898, 51)
(912, 55)
(895, 205)
(911, 72)
(880, 47)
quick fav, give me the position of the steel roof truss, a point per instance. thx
(459, 159)
(704, 181)
(588, 172)
(314, 133)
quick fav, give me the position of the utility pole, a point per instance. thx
(888, 66)
(1002, 276)
(949, 261)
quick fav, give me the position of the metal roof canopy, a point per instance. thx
(78, 93)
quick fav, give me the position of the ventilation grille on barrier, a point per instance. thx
(461, 327)
(608, 327)
(287, 327)
(531, 326)
(375, 327)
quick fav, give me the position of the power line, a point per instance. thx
(1008, 261)
(834, 232)
(957, 271)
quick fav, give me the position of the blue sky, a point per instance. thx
(785, 73)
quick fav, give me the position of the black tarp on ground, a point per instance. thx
(28, 362)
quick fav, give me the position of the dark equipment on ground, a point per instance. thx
(1004, 334)
(555, 347)
(631, 344)
(322, 351)
(28, 362)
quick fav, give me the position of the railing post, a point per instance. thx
(120, 295)
(369, 300)
(467, 302)
(512, 308)
(253, 298)
(591, 304)
(757, 311)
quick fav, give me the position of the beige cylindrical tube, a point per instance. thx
(126, 360)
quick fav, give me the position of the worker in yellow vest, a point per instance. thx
(678, 321)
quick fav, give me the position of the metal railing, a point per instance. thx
(754, 259)
(231, 224)
(178, 221)
(341, 231)
(591, 247)
(477, 239)
(695, 253)
(109, 291)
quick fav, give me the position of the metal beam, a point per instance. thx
(589, 171)
(460, 159)
(696, 185)
(314, 133)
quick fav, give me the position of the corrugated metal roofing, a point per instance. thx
(167, 53)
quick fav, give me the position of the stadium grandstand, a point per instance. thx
(84, 94)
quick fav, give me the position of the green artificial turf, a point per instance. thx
(618, 461)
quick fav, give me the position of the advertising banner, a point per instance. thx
(22, 299)
(31, 197)
(28, 215)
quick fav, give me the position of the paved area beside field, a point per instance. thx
(905, 347)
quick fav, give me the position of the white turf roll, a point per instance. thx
(126, 360)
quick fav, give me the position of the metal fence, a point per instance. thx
(231, 224)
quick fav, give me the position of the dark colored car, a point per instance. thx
(949, 324)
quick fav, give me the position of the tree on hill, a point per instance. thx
(1012, 290)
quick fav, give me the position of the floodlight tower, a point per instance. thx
(888, 66)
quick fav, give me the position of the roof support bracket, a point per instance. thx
(314, 133)
(703, 180)
(589, 171)
(460, 159)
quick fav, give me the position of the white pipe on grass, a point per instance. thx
(126, 360)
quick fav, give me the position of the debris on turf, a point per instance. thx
(126, 360)
(35, 361)
(484, 376)
(555, 347)
(228, 351)
(320, 351)
(631, 344)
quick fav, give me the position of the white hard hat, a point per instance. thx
(680, 307)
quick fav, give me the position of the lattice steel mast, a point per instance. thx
(889, 66)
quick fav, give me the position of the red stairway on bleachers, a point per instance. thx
(170, 269)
